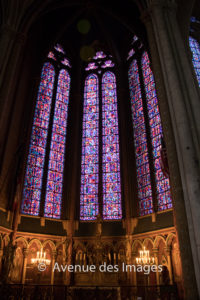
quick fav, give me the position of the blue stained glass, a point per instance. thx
(57, 148)
(36, 157)
(89, 208)
(112, 208)
(195, 48)
(140, 140)
(162, 183)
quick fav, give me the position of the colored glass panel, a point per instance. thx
(51, 55)
(59, 48)
(112, 208)
(140, 140)
(90, 151)
(91, 66)
(36, 156)
(66, 62)
(57, 149)
(99, 55)
(108, 64)
(195, 48)
(162, 182)
(131, 53)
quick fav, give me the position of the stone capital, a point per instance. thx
(25, 252)
(54, 254)
(155, 251)
(168, 250)
(133, 254)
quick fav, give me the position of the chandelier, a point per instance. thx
(41, 258)
(145, 258)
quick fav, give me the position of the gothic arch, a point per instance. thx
(146, 241)
(23, 240)
(169, 239)
(35, 240)
(157, 241)
(50, 243)
(135, 244)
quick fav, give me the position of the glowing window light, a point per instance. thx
(140, 140)
(36, 157)
(51, 55)
(112, 208)
(99, 55)
(59, 48)
(89, 208)
(108, 64)
(66, 62)
(164, 198)
(57, 148)
(91, 66)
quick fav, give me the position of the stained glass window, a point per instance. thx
(111, 161)
(36, 157)
(43, 183)
(89, 208)
(100, 166)
(164, 198)
(195, 48)
(140, 140)
(57, 148)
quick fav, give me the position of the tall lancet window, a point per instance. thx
(194, 43)
(42, 194)
(151, 162)
(100, 164)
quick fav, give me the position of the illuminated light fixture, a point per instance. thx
(41, 258)
(144, 258)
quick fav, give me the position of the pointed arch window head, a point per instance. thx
(195, 48)
(100, 164)
(47, 144)
(152, 183)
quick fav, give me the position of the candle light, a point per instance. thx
(144, 257)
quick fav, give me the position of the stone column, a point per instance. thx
(173, 72)
(54, 253)
(134, 278)
(169, 263)
(155, 253)
(1, 256)
(25, 253)
(70, 261)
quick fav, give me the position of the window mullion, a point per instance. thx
(100, 187)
